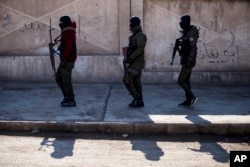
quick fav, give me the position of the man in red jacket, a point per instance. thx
(68, 55)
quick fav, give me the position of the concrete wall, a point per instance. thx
(223, 55)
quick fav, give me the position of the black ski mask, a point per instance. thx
(185, 22)
(64, 22)
(134, 21)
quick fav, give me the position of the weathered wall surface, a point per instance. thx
(101, 28)
(223, 48)
(28, 24)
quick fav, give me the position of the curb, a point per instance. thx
(126, 127)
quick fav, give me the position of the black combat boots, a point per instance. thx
(137, 102)
(68, 102)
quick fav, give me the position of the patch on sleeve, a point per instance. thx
(191, 39)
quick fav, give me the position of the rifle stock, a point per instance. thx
(51, 55)
(125, 52)
(125, 66)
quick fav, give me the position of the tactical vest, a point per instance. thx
(184, 43)
(131, 46)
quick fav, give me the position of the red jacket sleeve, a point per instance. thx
(68, 38)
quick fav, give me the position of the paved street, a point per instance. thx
(160, 134)
(111, 150)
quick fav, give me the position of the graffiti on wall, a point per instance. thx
(33, 26)
(215, 54)
(4, 19)
(29, 26)
(222, 43)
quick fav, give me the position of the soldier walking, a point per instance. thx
(188, 52)
(68, 55)
(135, 62)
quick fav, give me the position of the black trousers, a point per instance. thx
(134, 85)
(184, 81)
(63, 78)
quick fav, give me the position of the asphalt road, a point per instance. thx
(112, 150)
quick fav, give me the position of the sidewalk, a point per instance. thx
(104, 108)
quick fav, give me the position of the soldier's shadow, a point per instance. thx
(151, 151)
(62, 147)
(217, 151)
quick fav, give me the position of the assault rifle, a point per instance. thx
(51, 49)
(176, 48)
(45, 142)
(125, 66)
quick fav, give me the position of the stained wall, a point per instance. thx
(103, 28)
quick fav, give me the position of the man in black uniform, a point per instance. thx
(135, 61)
(188, 52)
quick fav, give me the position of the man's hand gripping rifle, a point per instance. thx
(176, 48)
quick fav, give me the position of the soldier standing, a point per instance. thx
(68, 55)
(188, 52)
(135, 62)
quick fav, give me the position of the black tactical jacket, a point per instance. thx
(188, 44)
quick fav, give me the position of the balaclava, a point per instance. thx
(64, 22)
(134, 21)
(185, 22)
